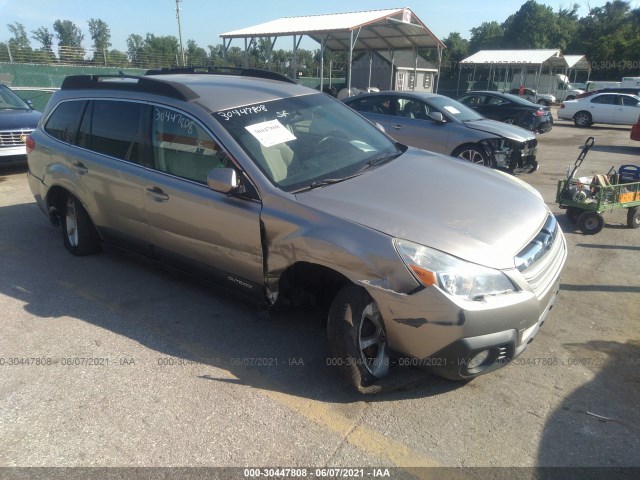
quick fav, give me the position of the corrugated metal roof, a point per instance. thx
(312, 23)
(579, 62)
(391, 29)
(517, 57)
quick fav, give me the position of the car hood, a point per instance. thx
(501, 129)
(19, 119)
(471, 212)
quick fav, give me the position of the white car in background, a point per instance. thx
(615, 108)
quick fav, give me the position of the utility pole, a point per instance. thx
(180, 31)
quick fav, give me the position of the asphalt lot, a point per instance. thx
(128, 364)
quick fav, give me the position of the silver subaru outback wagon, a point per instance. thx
(274, 189)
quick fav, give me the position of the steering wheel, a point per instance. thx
(335, 138)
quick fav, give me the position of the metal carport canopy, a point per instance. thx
(391, 29)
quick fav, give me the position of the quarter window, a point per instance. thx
(182, 147)
(63, 122)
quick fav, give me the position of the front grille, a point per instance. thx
(13, 138)
(541, 260)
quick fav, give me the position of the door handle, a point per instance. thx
(397, 126)
(79, 168)
(157, 194)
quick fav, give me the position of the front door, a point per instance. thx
(210, 232)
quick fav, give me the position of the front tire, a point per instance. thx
(582, 119)
(78, 233)
(357, 339)
(590, 223)
(473, 154)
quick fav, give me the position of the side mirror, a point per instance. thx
(437, 116)
(223, 180)
(30, 103)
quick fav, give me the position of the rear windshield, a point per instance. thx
(453, 108)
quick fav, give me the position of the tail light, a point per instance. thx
(539, 113)
(562, 105)
(31, 144)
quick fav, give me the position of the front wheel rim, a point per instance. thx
(472, 156)
(591, 223)
(372, 342)
(71, 223)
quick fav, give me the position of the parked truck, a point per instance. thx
(557, 85)
(627, 82)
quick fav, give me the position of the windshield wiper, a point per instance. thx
(322, 183)
(379, 160)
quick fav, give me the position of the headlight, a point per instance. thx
(456, 277)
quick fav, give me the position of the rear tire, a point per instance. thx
(633, 217)
(357, 339)
(590, 223)
(582, 119)
(573, 213)
(78, 233)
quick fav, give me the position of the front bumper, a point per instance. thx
(431, 330)
(473, 356)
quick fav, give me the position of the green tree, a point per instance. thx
(69, 41)
(196, 56)
(161, 51)
(135, 49)
(488, 36)
(609, 35)
(101, 36)
(532, 26)
(45, 37)
(118, 59)
(19, 44)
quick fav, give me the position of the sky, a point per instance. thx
(204, 20)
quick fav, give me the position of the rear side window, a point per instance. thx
(605, 99)
(113, 128)
(63, 122)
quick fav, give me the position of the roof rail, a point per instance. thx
(131, 83)
(241, 72)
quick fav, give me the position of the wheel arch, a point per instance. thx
(306, 282)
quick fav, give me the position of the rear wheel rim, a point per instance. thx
(372, 342)
(582, 119)
(71, 223)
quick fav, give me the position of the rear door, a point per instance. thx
(628, 110)
(377, 109)
(104, 159)
(411, 126)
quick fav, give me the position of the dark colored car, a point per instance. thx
(443, 125)
(508, 108)
(17, 121)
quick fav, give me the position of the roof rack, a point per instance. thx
(131, 83)
(241, 72)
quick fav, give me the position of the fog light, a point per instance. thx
(478, 359)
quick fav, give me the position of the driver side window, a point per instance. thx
(181, 147)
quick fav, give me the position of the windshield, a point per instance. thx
(308, 141)
(454, 109)
(11, 101)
